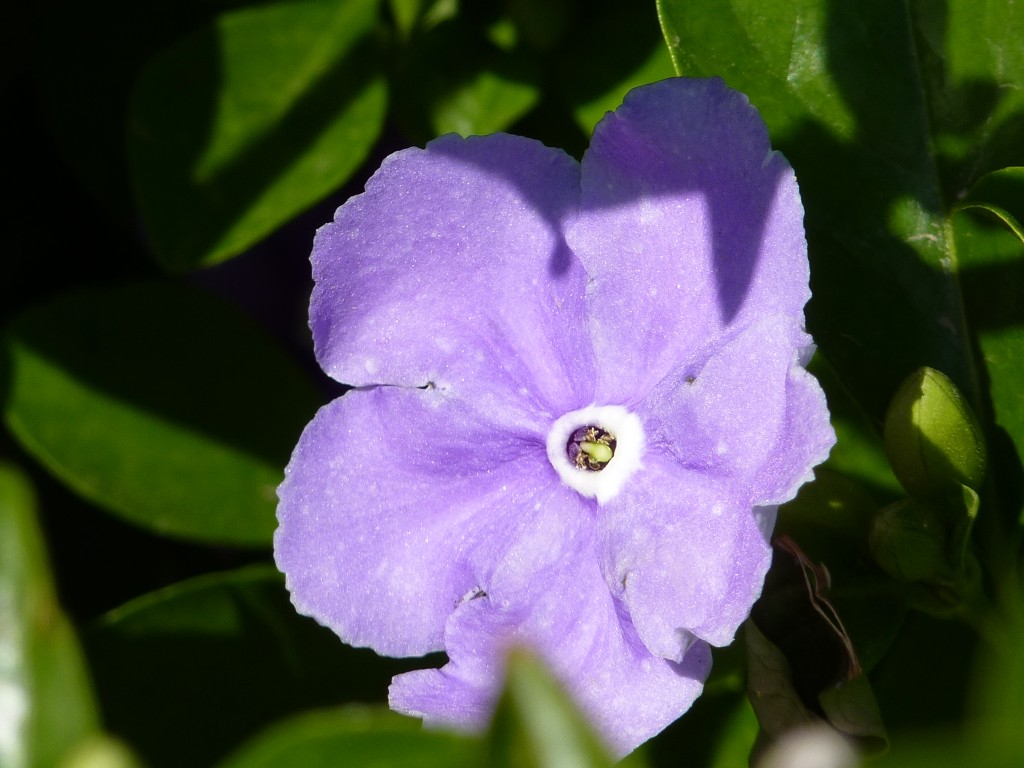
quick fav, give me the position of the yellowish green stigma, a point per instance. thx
(591, 448)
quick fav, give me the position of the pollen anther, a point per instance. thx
(596, 449)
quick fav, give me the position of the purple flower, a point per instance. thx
(578, 400)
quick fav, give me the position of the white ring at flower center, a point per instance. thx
(606, 483)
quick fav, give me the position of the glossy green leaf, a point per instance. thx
(46, 701)
(354, 738)
(219, 657)
(536, 725)
(1001, 193)
(249, 120)
(489, 101)
(858, 95)
(161, 404)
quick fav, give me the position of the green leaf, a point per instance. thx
(848, 706)
(718, 731)
(999, 679)
(47, 701)
(161, 404)
(993, 276)
(355, 738)
(776, 702)
(221, 656)
(489, 101)
(249, 120)
(536, 725)
(736, 738)
(1001, 193)
(858, 95)
(467, 74)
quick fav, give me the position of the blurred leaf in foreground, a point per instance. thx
(536, 725)
(355, 738)
(46, 702)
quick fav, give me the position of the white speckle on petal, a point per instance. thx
(370, 365)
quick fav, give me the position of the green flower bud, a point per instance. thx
(933, 441)
(910, 543)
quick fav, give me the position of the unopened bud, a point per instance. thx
(933, 441)
(909, 542)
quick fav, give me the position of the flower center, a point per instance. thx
(591, 448)
(596, 449)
